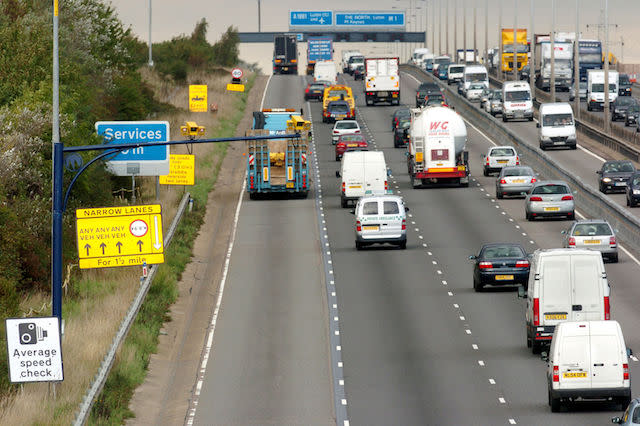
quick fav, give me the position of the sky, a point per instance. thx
(171, 18)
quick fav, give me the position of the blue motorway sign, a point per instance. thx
(149, 161)
(310, 18)
(370, 19)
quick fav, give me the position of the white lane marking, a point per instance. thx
(627, 252)
(492, 381)
(633, 357)
(341, 382)
(450, 294)
(439, 272)
(467, 331)
(596, 156)
(475, 347)
(455, 305)
(344, 402)
(502, 400)
(429, 253)
(481, 363)
(512, 422)
(461, 318)
(444, 282)
(265, 92)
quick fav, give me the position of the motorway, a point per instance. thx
(418, 345)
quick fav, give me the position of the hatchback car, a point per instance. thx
(443, 72)
(498, 157)
(398, 115)
(582, 91)
(620, 105)
(594, 234)
(350, 143)
(494, 104)
(474, 92)
(401, 134)
(426, 89)
(314, 91)
(380, 219)
(344, 127)
(613, 175)
(631, 115)
(358, 72)
(633, 190)
(548, 199)
(500, 264)
(337, 110)
(631, 415)
(515, 180)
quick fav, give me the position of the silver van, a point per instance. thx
(380, 219)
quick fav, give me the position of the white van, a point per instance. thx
(474, 74)
(325, 71)
(362, 171)
(381, 219)
(564, 285)
(556, 125)
(516, 101)
(417, 55)
(346, 54)
(588, 360)
(455, 73)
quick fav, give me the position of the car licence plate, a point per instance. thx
(551, 209)
(340, 116)
(289, 185)
(504, 277)
(574, 374)
(503, 161)
(592, 241)
(355, 186)
(620, 184)
(383, 94)
(555, 316)
(370, 228)
(559, 143)
(351, 145)
(517, 181)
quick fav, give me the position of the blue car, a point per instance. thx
(443, 72)
(499, 264)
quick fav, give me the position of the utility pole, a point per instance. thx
(57, 148)
(447, 30)
(150, 48)
(433, 27)
(440, 27)
(500, 39)
(259, 18)
(455, 29)
(486, 33)
(576, 64)
(475, 30)
(532, 67)
(464, 30)
(607, 117)
(515, 40)
(552, 80)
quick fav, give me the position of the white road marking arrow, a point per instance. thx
(157, 244)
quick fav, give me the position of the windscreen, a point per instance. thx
(476, 76)
(590, 58)
(519, 95)
(550, 189)
(557, 120)
(346, 125)
(442, 61)
(625, 100)
(624, 79)
(591, 229)
(453, 69)
(502, 152)
(599, 87)
(618, 167)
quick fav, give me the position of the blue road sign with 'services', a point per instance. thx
(141, 161)
(310, 18)
(370, 19)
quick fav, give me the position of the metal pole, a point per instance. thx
(515, 39)
(486, 34)
(607, 123)
(576, 64)
(532, 70)
(552, 80)
(259, 18)
(57, 172)
(433, 27)
(500, 39)
(475, 29)
(455, 30)
(133, 189)
(426, 23)
(447, 30)
(464, 30)
(150, 45)
(440, 27)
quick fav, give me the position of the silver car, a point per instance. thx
(498, 157)
(494, 104)
(549, 198)
(516, 180)
(474, 92)
(595, 234)
(380, 219)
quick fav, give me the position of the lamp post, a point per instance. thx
(259, 18)
(500, 38)
(475, 28)
(576, 64)
(607, 123)
(464, 31)
(533, 56)
(552, 80)
(486, 33)
(455, 29)
(150, 45)
(515, 39)
(56, 224)
(447, 31)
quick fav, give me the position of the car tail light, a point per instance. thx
(534, 180)
(625, 371)
(395, 120)
(502, 181)
(386, 185)
(567, 198)
(343, 187)
(517, 161)
(535, 199)
(357, 131)
(335, 132)
(404, 224)
(485, 265)
(556, 374)
(612, 241)
(340, 145)
(522, 264)
(487, 161)
(358, 225)
(306, 90)
(607, 308)
(572, 241)
(536, 311)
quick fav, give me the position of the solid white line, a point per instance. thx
(264, 94)
(596, 156)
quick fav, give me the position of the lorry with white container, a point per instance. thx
(437, 147)
(595, 88)
(563, 65)
(382, 80)
(417, 54)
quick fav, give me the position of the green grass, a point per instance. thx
(130, 368)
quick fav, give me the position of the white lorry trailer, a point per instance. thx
(563, 65)
(382, 80)
(437, 147)
(595, 88)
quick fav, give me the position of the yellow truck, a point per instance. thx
(337, 93)
(521, 49)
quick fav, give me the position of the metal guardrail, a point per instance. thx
(103, 372)
(588, 129)
(588, 199)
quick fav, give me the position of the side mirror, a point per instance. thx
(522, 294)
(629, 352)
(473, 257)
(352, 211)
(564, 231)
(406, 154)
(538, 124)
(406, 209)
(389, 173)
(337, 173)
(616, 420)
(599, 172)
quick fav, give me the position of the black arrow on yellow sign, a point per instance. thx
(119, 245)
(87, 246)
(140, 243)
(102, 246)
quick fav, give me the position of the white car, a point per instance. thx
(474, 92)
(499, 157)
(344, 127)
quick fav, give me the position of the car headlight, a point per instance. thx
(636, 192)
(606, 180)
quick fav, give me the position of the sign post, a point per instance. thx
(34, 349)
(236, 81)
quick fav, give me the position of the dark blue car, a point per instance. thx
(500, 264)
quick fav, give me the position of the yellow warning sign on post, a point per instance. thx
(119, 236)
(181, 170)
(198, 98)
(233, 87)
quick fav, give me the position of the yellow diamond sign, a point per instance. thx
(119, 236)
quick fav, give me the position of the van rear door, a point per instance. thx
(606, 361)
(574, 360)
(555, 291)
(375, 173)
(353, 175)
(588, 300)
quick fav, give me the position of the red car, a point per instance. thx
(351, 142)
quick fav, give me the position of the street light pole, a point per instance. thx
(440, 27)
(532, 70)
(607, 123)
(576, 64)
(259, 18)
(552, 79)
(501, 51)
(57, 171)
(486, 33)
(515, 44)
(433, 26)
(475, 29)
(150, 45)
(455, 30)
(464, 30)
(447, 30)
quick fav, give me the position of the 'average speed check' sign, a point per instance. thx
(34, 349)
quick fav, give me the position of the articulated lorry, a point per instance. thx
(285, 54)
(521, 48)
(382, 80)
(437, 147)
(563, 65)
(278, 165)
(318, 49)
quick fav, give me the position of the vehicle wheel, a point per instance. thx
(403, 245)
(554, 403)
(624, 402)
(536, 347)
(504, 118)
(528, 216)
(477, 286)
(626, 124)
(628, 203)
(337, 158)
(499, 195)
(614, 258)
(542, 147)
(343, 203)
(485, 172)
(358, 245)
(530, 118)
(574, 146)
(632, 203)
(253, 195)
(589, 107)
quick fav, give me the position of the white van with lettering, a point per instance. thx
(380, 219)
(516, 101)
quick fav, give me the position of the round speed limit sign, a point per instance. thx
(236, 73)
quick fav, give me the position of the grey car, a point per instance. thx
(516, 180)
(551, 198)
(494, 105)
(594, 234)
(631, 415)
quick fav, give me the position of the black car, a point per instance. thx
(633, 190)
(500, 264)
(525, 73)
(314, 91)
(614, 175)
(631, 115)
(426, 89)
(401, 133)
(620, 105)
(624, 85)
(358, 72)
(400, 114)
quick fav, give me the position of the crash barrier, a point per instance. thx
(589, 200)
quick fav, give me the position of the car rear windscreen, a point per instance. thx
(520, 171)
(551, 189)
(592, 229)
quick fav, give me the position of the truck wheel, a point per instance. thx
(343, 203)
(253, 195)
(536, 347)
(554, 403)
(499, 195)
(504, 118)
(403, 245)
(485, 172)
(358, 245)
